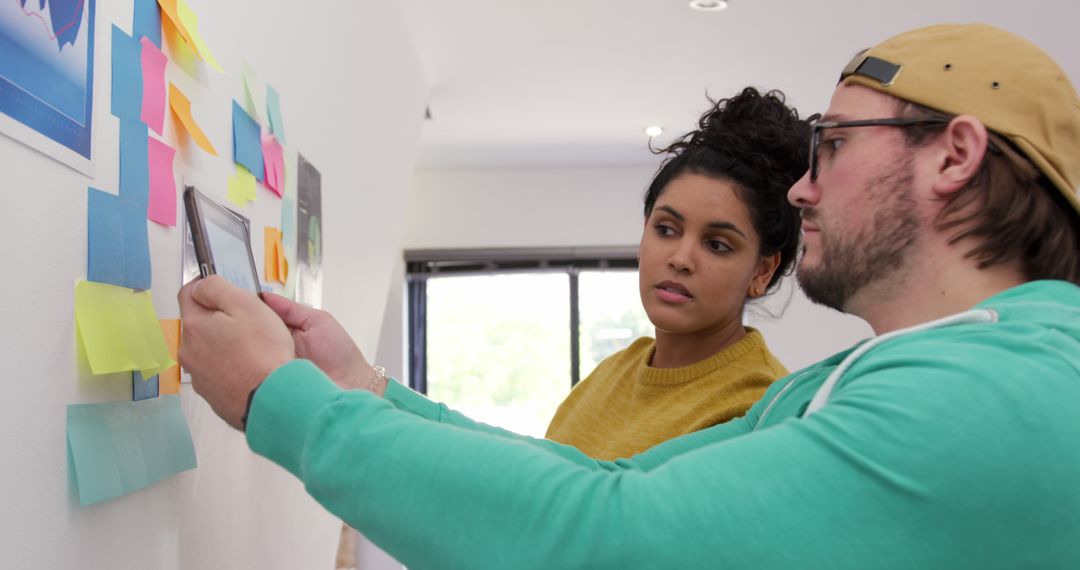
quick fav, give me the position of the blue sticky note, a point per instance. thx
(273, 109)
(126, 76)
(143, 388)
(117, 448)
(148, 21)
(118, 245)
(134, 161)
(247, 142)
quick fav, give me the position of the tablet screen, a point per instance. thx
(230, 254)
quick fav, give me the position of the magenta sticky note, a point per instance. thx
(274, 163)
(153, 76)
(162, 208)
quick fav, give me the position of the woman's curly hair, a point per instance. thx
(755, 140)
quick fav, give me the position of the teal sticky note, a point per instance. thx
(118, 245)
(126, 76)
(288, 220)
(120, 447)
(143, 388)
(247, 142)
(134, 161)
(148, 21)
(273, 109)
(181, 450)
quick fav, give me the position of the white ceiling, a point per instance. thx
(562, 83)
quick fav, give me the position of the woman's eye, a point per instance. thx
(717, 245)
(665, 230)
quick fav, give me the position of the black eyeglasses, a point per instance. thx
(815, 135)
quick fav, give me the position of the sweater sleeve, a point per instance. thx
(841, 488)
(412, 402)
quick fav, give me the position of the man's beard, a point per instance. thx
(849, 263)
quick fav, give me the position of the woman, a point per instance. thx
(719, 232)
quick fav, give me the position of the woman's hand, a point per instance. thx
(231, 343)
(319, 338)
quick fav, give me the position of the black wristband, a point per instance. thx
(247, 410)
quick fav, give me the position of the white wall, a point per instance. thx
(353, 96)
(591, 207)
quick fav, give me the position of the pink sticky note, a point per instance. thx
(162, 208)
(274, 163)
(153, 74)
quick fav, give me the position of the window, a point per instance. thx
(502, 336)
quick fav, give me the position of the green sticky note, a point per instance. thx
(120, 447)
(273, 108)
(119, 330)
(251, 81)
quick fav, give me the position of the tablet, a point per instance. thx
(222, 241)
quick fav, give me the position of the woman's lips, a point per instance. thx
(672, 292)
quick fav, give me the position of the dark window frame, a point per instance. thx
(421, 265)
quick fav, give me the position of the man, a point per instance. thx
(940, 205)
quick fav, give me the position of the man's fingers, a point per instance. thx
(294, 315)
(216, 294)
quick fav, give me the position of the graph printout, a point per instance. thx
(46, 76)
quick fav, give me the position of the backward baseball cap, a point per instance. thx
(1005, 81)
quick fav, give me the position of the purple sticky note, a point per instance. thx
(153, 85)
(162, 207)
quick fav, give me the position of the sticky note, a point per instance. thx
(241, 189)
(181, 107)
(275, 266)
(191, 23)
(251, 82)
(126, 76)
(134, 161)
(148, 21)
(170, 377)
(143, 388)
(153, 84)
(119, 330)
(273, 109)
(162, 207)
(171, 11)
(247, 147)
(117, 448)
(273, 164)
(118, 248)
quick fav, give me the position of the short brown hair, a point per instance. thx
(1018, 214)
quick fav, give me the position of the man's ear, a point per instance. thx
(962, 148)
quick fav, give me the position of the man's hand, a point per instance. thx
(231, 343)
(319, 338)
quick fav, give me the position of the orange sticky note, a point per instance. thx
(169, 380)
(172, 11)
(181, 107)
(275, 266)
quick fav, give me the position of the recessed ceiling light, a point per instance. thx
(653, 131)
(709, 5)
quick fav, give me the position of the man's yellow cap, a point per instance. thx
(1005, 81)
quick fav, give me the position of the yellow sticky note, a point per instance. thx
(169, 379)
(190, 22)
(283, 262)
(119, 329)
(181, 107)
(241, 188)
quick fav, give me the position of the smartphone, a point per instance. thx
(222, 241)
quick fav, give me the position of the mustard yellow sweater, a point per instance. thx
(626, 406)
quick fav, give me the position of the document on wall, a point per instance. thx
(309, 244)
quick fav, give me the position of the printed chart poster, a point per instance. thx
(308, 234)
(47, 77)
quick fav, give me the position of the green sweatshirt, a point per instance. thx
(955, 446)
